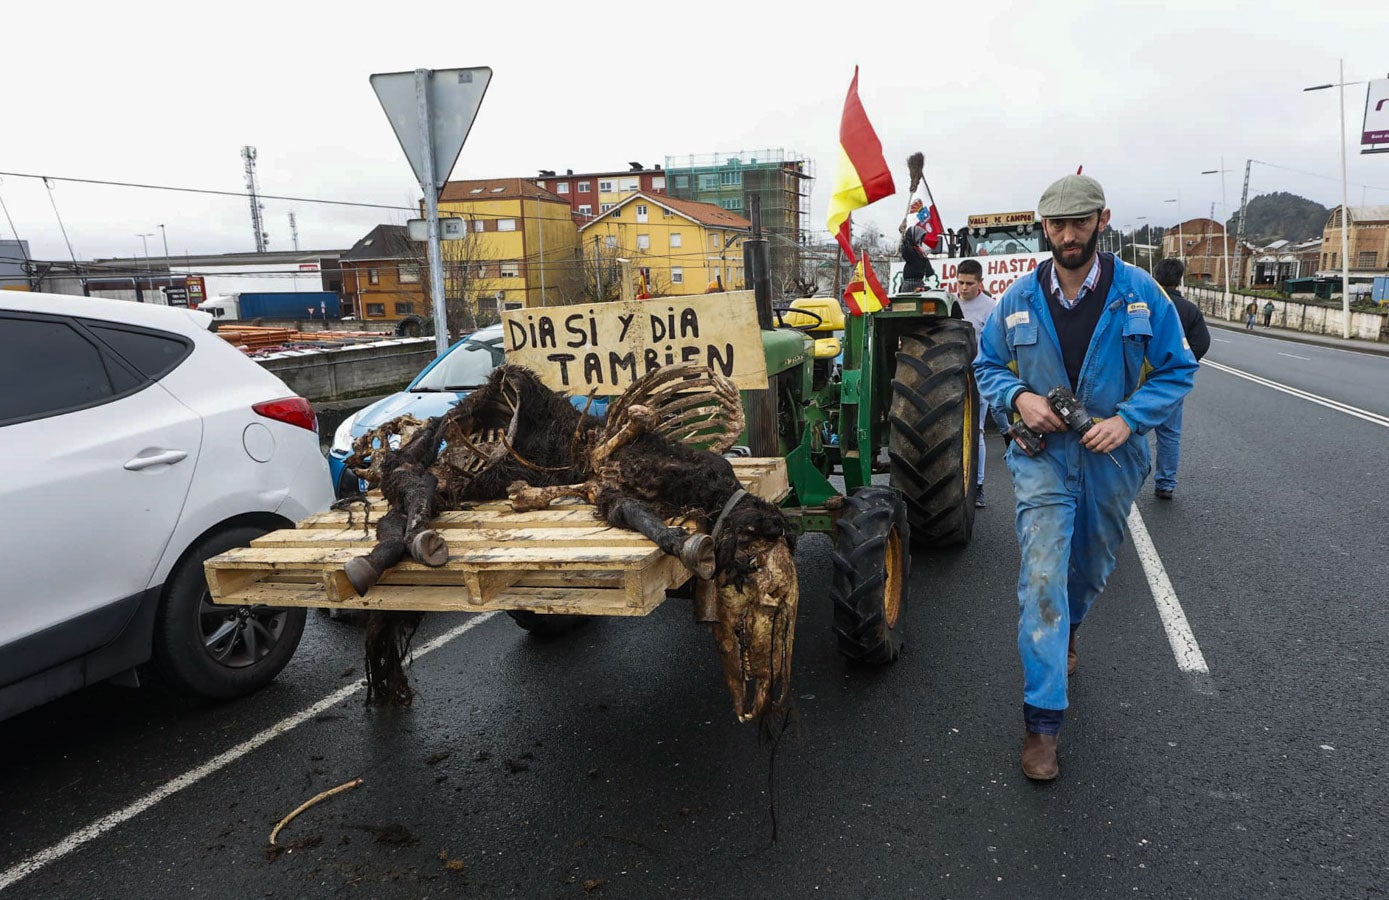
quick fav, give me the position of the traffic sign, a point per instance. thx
(450, 229)
(454, 96)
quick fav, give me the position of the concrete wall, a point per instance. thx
(1292, 314)
(364, 370)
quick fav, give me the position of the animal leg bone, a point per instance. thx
(525, 498)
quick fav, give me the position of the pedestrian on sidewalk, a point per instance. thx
(1074, 496)
(1250, 312)
(1268, 315)
(1198, 340)
(976, 305)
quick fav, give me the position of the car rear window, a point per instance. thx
(154, 354)
(49, 368)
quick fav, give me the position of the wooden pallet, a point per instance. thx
(558, 560)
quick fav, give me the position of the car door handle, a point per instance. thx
(158, 458)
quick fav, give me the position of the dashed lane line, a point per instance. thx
(1184, 646)
(1295, 356)
(96, 829)
(1346, 408)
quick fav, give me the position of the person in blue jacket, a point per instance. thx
(1090, 322)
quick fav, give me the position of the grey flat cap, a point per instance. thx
(1070, 197)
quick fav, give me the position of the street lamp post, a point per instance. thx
(1181, 245)
(1224, 236)
(165, 235)
(1149, 253)
(149, 269)
(1345, 208)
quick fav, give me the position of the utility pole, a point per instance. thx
(540, 231)
(163, 234)
(598, 268)
(1239, 223)
(149, 269)
(293, 230)
(248, 156)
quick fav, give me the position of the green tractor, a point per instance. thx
(895, 395)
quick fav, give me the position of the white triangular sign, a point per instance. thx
(454, 98)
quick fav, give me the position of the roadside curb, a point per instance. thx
(1372, 347)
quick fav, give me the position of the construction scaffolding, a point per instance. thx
(781, 179)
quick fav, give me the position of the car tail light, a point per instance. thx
(291, 410)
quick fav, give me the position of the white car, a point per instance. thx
(136, 444)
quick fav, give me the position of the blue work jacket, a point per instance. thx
(1137, 365)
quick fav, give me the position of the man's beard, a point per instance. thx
(1087, 252)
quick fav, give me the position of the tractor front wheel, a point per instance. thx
(933, 444)
(871, 558)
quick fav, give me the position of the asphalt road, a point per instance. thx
(609, 763)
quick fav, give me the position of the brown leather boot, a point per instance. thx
(1039, 757)
(1072, 659)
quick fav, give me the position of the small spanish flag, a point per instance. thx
(865, 293)
(862, 175)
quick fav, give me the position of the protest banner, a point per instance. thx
(603, 347)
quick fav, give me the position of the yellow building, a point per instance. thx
(521, 246)
(685, 245)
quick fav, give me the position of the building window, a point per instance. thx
(482, 270)
(708, 182)
(643, 242)
(1368, 259)
(409, 274)
(677, 275)
(658, 184)
(630, 184)
(605, 187)
(376, 309)
(585, 187)
(714, 241)
(404, 309)
(731, 178)
(562, 187)
(479, 225)
(498, 190)
(732, 203)
(374, 277)
(585, 210)
(682, 181)
(610, 241)
(476, 191)
(510, 270)
(506, 224)
(604, 207)
(675, 239)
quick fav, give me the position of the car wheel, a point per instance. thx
(220, 652)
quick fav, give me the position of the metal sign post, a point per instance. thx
(432, 112)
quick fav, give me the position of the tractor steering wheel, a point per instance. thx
(781, 322)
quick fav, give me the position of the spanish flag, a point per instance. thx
(865, 293)
(862, 176)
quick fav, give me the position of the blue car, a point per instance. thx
(445, 381)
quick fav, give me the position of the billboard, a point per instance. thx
(1376, 126)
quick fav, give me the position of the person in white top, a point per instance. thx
(977, 306)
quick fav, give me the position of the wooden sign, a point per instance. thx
(604, 347)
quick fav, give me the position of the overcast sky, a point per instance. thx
(1001, 98)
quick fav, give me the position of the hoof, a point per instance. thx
(361, 574)
(697, 553)
(430, 548)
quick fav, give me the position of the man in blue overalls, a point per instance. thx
(1104, 329)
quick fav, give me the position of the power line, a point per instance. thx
(1315, 175)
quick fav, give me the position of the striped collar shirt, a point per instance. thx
(1090, 281)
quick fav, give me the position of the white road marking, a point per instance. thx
(193, 776)
(1179, 636)
(1295, 356)
(1222, 341)
(1346, 408)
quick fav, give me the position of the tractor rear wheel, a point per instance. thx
(933, 444)
(871, 558)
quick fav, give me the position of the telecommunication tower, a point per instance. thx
(293, 231)
(248, 155)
